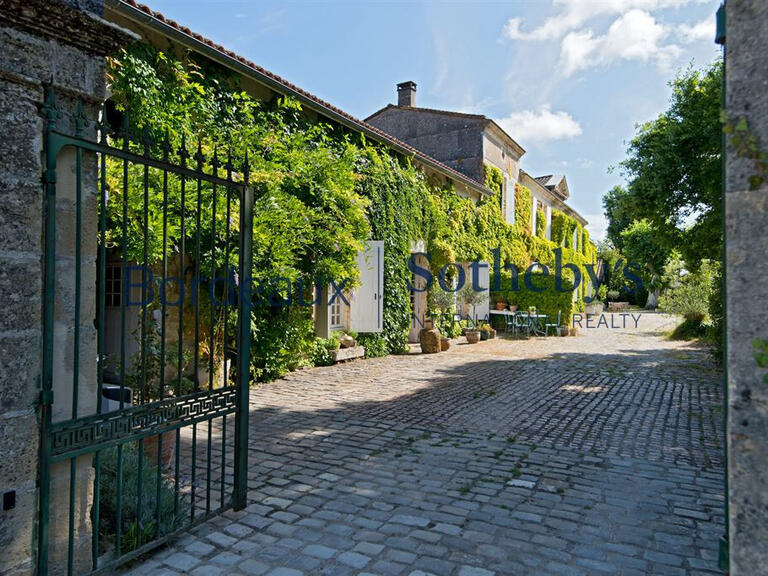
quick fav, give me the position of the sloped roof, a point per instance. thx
(143, 14)
(488, 121)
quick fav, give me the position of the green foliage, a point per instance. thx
(146, 522)
(331, 190)
(747, 146)
(760, 348)
(493, 178)
(321, 353)
(643, 247)
(560, 227)
(690, 328)
(549, 301)
(673, 167)
(375, 345)
(523, 200)
(689, 292)
(541, 223)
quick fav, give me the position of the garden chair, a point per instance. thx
(555, 326)
(509, 322)
(523, 322)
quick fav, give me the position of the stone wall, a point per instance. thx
(42, 42)
(455, 140)
(747, 290)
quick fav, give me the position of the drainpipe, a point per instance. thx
(723, 550)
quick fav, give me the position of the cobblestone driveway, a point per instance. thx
(599, 454)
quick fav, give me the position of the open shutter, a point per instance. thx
(480, 312)
(509, 205)
(366, 305)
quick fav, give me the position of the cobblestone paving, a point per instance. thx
(599, 454)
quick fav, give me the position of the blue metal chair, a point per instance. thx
(509, 322)
(523, 322)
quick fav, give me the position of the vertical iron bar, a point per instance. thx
(163, 298)
(144, 390)
(243, 353)
(199, 158)
(100, 340)
(225, 379)
(76, 347)
(182, 276)
(212, 321)
(124, 284)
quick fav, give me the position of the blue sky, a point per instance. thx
(568, 79)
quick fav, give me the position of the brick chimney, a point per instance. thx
(406, 94)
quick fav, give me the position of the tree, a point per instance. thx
(673, 168)
(619, 211)
(643, 247)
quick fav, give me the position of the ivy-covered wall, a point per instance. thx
(321, 192)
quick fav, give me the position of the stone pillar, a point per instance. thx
(746, 209)
(62, 43)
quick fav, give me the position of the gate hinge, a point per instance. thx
(49, 176)
(46, 397)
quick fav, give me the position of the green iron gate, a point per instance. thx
(145, 337)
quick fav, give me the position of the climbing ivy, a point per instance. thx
(321, 193)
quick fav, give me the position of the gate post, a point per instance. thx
(746, 240)
(61, 44)
(240, 496)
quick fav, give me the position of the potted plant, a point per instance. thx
(472, 335)
(512, 304)
(485, 331)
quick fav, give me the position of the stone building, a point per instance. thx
(467, 142)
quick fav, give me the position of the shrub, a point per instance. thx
(375, 344)
(130, 523)
(690, 293)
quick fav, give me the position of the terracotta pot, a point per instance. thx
(573, 331)
(513, 307)
(492, 334)
(473, 336)
(429, 324)
(169, 448)
(445, 343)
(501, 305)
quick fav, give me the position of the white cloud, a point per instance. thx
(704, 30)
(540, 125)
(634, 36)
(576, 13)
(596, 225)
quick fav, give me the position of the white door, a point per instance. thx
(366, 304)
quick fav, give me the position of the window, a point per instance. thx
(336, 314)
(113, 285)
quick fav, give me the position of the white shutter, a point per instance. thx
(509, 205)
(480, 312)
(367, 303)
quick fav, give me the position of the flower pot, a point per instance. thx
(573, 331)
(501, 305)
(168, 449)
(484, 335)
(492, 333)
(429, 324)
(563, 330)
(473, 336)
(445, 343)
(513, 307)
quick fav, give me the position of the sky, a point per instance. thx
(569, 80)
